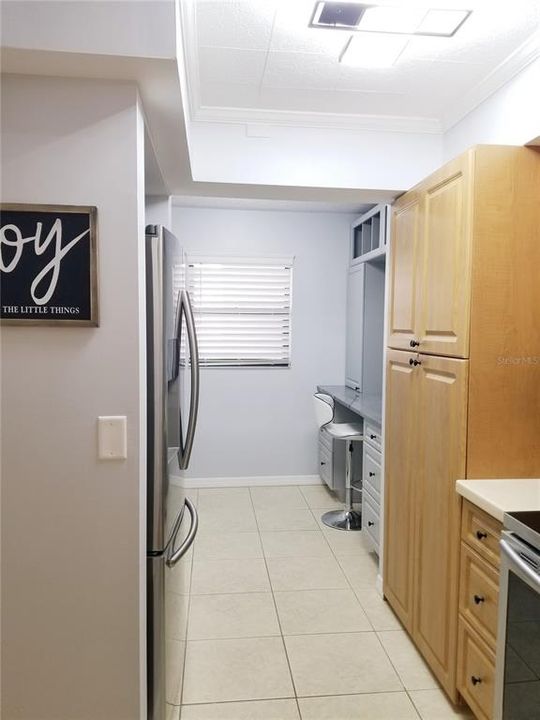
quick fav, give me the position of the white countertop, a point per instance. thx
(499, 496)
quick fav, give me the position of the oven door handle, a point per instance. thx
(516, 558)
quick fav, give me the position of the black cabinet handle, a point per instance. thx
(370, 524)
(414, 362)
(480, 534)
(475, 680)
(414, 343)
(371, 474)
(323, 463)
(373, 437)
(479, 599)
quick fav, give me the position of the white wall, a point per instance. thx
(73, 526)
(158, 210)
(312, 157)
(259, 422)
(139, 28)
(511, 116)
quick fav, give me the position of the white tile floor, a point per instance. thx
(285, 623)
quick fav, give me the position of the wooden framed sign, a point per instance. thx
(48, 265)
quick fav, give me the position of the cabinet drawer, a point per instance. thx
(476, 672)
(326, 466)
(326, 439)
(372, 435)
(481, 532)
(479, 594)
(370, 520)
(371, 471)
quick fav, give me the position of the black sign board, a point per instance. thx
(48, 265)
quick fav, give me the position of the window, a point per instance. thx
(242, 310)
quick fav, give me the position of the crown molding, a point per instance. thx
(526, 53)
(336, 121)
(511, 66)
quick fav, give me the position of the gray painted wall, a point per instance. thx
(73, 526)
(260, 422)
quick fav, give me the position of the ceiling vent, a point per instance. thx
(345, 15)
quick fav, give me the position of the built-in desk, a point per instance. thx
(367, 466)
(368, 406)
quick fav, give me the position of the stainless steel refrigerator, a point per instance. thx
(172, 406)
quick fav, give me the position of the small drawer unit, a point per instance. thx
(326, 458)
(371, 472)
(478, 604)
(481, 532)
(479, 593)
(372, 435)
(371, 521)
(371, 485)
(476, 672)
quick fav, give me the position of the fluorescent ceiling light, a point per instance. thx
(370, 50)
(442, 22)
(391, 19)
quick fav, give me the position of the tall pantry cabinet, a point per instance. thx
(462, 372)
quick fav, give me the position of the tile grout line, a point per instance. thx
(276, 609)
(273, 592)
(188, 614)
(349, 583)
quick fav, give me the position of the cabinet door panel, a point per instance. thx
(446, 274)
(442, 397)
(404, 272)
(400, 472)
(355, 322)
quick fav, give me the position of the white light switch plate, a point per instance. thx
(112, 437)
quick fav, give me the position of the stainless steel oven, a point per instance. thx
(517, 686)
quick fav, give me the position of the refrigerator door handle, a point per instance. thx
(174, 555)
(186, 310)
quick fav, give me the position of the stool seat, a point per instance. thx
(345, 431)
(348, 518)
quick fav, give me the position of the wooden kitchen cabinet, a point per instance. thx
(445, 256)
(400, 472)
(405, 269)
(464, 403)
(431, 264)
(439, 460)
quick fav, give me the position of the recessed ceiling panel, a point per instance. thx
(285, 65)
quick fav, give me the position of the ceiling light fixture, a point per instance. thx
(368, 50)
(391, 19)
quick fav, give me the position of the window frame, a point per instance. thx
(269, 260)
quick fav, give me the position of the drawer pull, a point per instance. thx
(414, 343)
(480, 534)
(479, 599)
(373, 437)
(371, 474)
(370, 523)
(323, 463)
(475, 680)
(414, 362)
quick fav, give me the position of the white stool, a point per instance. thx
(346, 519)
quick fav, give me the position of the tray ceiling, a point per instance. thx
(257, 61)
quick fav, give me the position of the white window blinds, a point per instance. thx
(242, 310)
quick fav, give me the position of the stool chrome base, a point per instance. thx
(343, 519)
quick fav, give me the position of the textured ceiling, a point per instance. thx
(261, 55)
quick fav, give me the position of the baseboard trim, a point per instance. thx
(189, 483)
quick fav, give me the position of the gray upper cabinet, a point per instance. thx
(365, 302)
(368, 235)
(355, 327)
